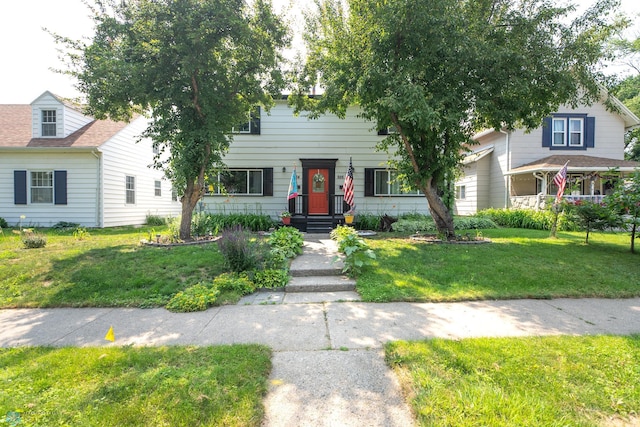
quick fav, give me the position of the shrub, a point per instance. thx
(528, 218)
(234, 282)
(204, 223)
(270, 278)
(65, 226)
(155, 220)
(357, 253)
(3, 223)
(33, 240)
(80, 233)
(286, 242)
(238, 249)
(198, 297)
(367, 221)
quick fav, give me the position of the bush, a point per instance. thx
(238, 248)
(357, 253)
(234, 282)
(340, 232)
(198, 297)
(3, 223)
(33, 240)
(528, 218)
(80, 233)
(270, 278)
(155, 220)
(65, 226)
(367, 222)
(286, 242)
(207, 223)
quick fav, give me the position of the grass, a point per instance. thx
(126, 386)
(518, 264)
(550, 381)
(105, 269)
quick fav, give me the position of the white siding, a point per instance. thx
(468, 205)
(68, 120)
(82, 188)
(285, 139)
(122, 157)
(74, 120)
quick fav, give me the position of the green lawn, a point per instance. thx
(126, 386)
(107, 268)
(551, 381)
(517, 264)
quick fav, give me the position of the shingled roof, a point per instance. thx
(576, 163)
(16, 131)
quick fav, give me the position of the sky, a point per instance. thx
(27, 53)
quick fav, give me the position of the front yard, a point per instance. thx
(110, 268)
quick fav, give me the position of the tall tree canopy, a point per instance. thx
(197, 67)
(440, 70)
(628, 91)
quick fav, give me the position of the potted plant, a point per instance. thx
(285, 216)
(348, 217)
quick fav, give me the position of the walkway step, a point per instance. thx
(311, 264)
(320, 284)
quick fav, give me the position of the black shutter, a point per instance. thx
(20, 187)
(547, 130)
(255, 121)
(590, 132)
(267, 182)
(369, 181)
(383, 132)
(60, 187)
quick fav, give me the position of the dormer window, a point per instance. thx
(49, 123)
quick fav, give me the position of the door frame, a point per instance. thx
(329, 164)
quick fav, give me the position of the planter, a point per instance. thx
(348, 219)
(286, 220)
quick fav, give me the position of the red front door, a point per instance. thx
(318, 180)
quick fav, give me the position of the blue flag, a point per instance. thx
(293, 186)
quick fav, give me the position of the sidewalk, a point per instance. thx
(328, 366)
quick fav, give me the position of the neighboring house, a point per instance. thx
(57, 164)
(266, 149)
(516, 168)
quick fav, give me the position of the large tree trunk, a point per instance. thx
(439, 211)
(189, 201)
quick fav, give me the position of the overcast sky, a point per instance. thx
(27, 53)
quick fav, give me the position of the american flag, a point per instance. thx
(561, 181)
(348, 187)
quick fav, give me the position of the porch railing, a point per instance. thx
(300, 205)
(540, 201)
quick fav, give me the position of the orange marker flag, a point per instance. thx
(110, 335)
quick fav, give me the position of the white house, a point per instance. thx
(516, 168)
(57, 164)
(266, 150)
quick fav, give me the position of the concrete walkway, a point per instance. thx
(328, 367)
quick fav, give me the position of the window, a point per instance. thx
(386, 183)
(48, 123)
(387, 131)
(174, 194)
(252, 125)
(130, 191)
(157, 188)
(461, 192)
(569, 132)
(41, 187)
(155, 149)
(239, 181)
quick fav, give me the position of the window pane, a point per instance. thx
(235, 182)
(255, 182)
(382, 182)
(575, 129)
(394, 184)
(41, 187)
(130, 190)
(158, 188)
(559, 131)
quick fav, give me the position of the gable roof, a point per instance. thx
(576, 163)
(16, 131)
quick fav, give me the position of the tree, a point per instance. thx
(438, 71)
(628, 91)
(591, 216)
(197, 67)
(625, 201)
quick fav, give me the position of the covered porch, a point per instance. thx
(588, 178)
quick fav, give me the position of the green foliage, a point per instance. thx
(286, 242)
(239, 249)
(155, 220)
(270, 278)
(3, 223)
(425, 224)
(235, 282)
(80, 233)
(357, 254)
(210, 78)
(450, 69)
(365, 221)
(32, 240)
(590, 216)
(625, 202)
(198, 297)
(528, 218)
(65, 226)
(213, 223)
